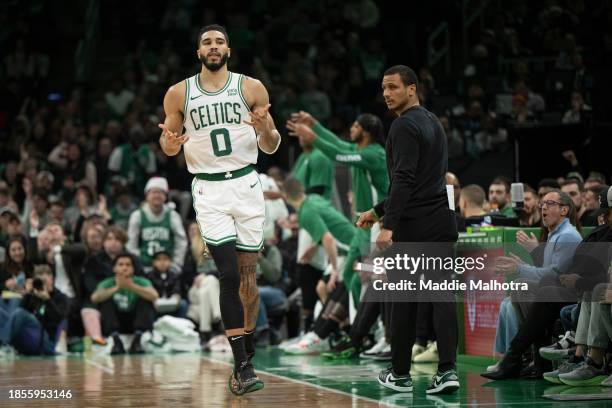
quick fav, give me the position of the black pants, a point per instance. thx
(114, 320)
(75, 322)
(537, 328)
(367, 314)
(424, 330)
(308, 277)
(439, 226)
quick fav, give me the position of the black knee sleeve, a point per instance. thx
(232, 312)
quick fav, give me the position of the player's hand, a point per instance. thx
(173, 140)
(367, 219)
(259, 120)
(303, 118)
(307, 256)
(529, 242)
(301, 130)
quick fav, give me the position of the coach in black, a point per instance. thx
(416, 210)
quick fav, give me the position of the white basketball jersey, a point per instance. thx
(219, 140)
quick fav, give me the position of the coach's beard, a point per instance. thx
(214, 66)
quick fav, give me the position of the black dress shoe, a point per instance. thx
(117, 346)
(136, 347)
(509, 367)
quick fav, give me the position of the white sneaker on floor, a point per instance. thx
(376, 349)
(310, 344)
(428, 356)
(493, 367)
(417, 349)
(294, 340)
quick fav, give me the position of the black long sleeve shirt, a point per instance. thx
(417, 161)
(49, 313)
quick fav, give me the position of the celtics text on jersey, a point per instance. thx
(219, 140)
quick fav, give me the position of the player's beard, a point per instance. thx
(358, 137)
(214, 66)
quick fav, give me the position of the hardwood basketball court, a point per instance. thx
(194, 380)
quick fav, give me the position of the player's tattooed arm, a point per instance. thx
(258, 99)
(171, 139)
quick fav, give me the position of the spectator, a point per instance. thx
(530, 216)
(133, 160)
(492, 137)
(579, 111)
(57, 211)
(6, 201)
(37, 208)
(533, 102)
(72, 166)
(156, 226)
(103, 152)
(273, 305)
(314, 100)
(10, 227)
(453, 137)
(168, 286)
(118, 99)
(125, 302)
(591, 201)
(471, 127)
(15, 271)
(547, 185)
(34, 328)
(96, 268)
(124, 206)
(66, 261)
(204, 307)
(575, 189)
(499, 197)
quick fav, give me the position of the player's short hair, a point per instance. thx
(407, 74)
(293, 188)
(212, 27)
(474, 195)
(373, 125)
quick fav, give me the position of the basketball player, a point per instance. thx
(225, 116)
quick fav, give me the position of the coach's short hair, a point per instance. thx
(474, 195)
(406, 74)
(212, 27)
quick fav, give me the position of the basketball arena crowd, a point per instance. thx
(88, 200)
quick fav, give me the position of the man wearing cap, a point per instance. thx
(155, 227)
